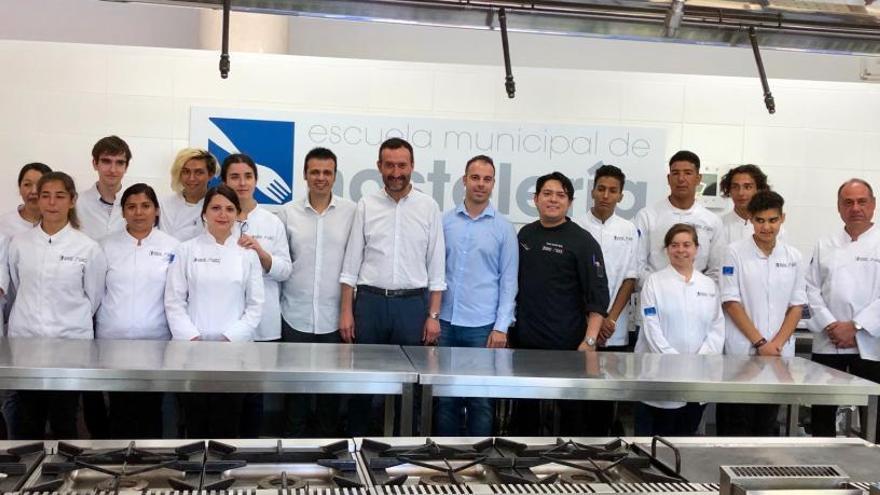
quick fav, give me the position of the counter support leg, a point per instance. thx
(792, 426)
(388, 423)
(427, 410)
(406, 410)
(871, 426)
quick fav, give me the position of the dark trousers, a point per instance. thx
(32, 409)
(747, 420)
(576, 418)
(680, 422)
(135, 415)
(823, 419)
(382, 320)
(310, 415)
(252, 410)
(212, 415)
(95, 414)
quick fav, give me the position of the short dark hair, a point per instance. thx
(141, 188)
(480, 158)
(111, 145)
(856, 180)
(609, 171)
(754, 171)
(678, 229)
(69, 186)
(236, 158)
(559, 176)
(395, 144)
(39, 167)
(765, 200)
(319, 154)
(685, 156)
(222, 190)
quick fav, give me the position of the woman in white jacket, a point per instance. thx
(214, 292)
(681, 314)
(58, 274)
(261, 231)
(134, 303)
(181, 213)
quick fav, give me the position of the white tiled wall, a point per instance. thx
(57, 99)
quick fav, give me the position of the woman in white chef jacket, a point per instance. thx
(214, 292)
(58, 274)
(27, 215)
(681, 314)
(180, 214)
(134, 303)
(261, 231)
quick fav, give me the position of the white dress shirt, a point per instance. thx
(214, 291)
(680, 317)
(310, 297)
(766, 286)
(180, 219)
(134, 299)
(12, 224)
(843, 284)
(59, 283)
(98, 219)
(653, 222)
(267, 229)
(396, 245)
(619, 241)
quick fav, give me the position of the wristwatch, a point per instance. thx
(434, 316)
(590, 341)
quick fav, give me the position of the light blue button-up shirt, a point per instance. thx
(482, 260)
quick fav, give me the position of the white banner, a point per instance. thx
(279, 140)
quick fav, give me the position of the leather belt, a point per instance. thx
(392, 292)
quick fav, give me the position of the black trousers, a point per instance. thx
(135, 415)
(747, 420)
(212, 415)
(823, 418)
(680, 422)
(311, 415)
(252, 410)
(33, 409)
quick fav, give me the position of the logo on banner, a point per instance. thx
(269, 142)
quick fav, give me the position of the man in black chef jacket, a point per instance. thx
(563, 294)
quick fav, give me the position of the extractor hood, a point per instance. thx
(833, 26)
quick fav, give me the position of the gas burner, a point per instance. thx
(17, 464)
(282, 481)
(577, 478)
(123, 484)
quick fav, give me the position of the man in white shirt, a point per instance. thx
(395, 256)
(679, 207)
(317, 230)
(740, 184)
(98, 207)
(762, 292)
(843, 289)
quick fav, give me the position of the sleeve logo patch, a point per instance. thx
(651, 311)
(727, 270)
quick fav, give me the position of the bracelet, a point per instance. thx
(759, 343)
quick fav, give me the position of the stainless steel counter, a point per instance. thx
(180, 366)
(519, 373)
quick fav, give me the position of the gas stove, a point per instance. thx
(18, 461)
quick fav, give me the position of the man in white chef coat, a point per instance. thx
(843, 289)
(762, 292)
(680, 206)
(98, 207)
(740, 184)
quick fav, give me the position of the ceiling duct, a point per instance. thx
(830, 26)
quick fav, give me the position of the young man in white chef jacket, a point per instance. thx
(762, 292)
(843, 289)
(740, 184)
(98, 206)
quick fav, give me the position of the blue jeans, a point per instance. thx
(452, 420)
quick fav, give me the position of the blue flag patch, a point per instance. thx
(651, 311)
(727, 270)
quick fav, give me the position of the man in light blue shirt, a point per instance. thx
(482, 260)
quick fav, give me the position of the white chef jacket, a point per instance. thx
(396, 245)
(766, 286)
(96, 218)
(214, 290)
(12, 224)
(619, 240)
(653, 223)
(134, 296)
(267, 229)
(843, 283)
(680, 317)
(310, 297)
(59, 283)
(180, 219)
(737, 229)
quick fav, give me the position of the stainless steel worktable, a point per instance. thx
(182, 366)
(538, 374)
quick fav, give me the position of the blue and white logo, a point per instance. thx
(269, 142)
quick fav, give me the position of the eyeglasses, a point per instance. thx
(243, 227)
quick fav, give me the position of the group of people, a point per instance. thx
(211, 264)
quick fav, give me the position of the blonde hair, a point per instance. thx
(186, 155)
